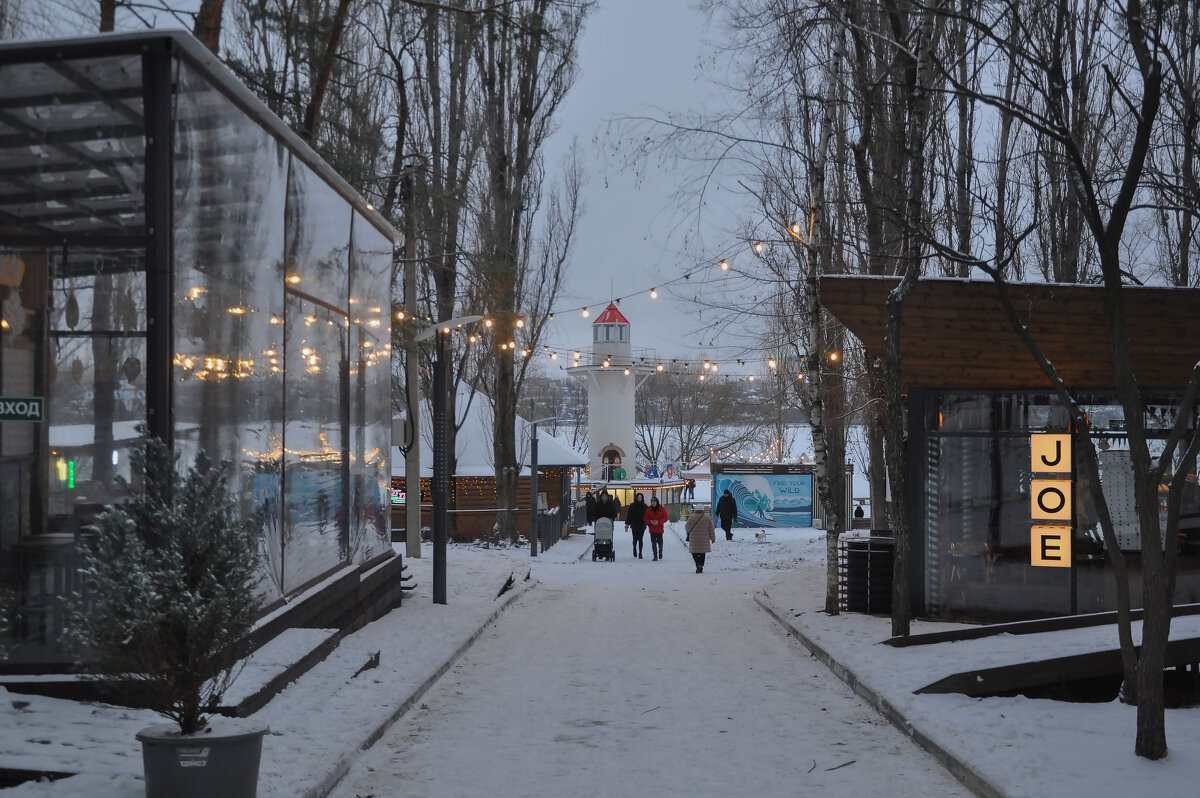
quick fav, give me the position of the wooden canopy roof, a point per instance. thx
(955, 334)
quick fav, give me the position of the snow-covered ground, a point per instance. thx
(467, 733)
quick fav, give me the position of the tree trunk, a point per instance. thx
(108, 15)
(312, 114)
(208, 23)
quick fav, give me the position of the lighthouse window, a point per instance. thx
(622, 332)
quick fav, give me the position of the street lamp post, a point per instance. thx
(533, 485)
(534, 529)
(441, 480)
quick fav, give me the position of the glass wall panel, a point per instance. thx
(230, 195)
(73, 156)
(979, 507)
(22, 374)
(370, 390)
(96, 376)
(316, 408)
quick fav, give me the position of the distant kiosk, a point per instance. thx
(613, 373)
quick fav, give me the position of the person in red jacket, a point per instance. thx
(656, 523)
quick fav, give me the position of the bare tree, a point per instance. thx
(1104, 135)
(526, 65)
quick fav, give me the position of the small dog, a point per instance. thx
(761, 536)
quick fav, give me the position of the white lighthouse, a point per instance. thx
(612, 379)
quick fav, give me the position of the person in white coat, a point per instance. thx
(700, 536)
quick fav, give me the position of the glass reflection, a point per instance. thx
(96, 376)
(316, 411)
(978, 544)
(230, 195)
(370, 391)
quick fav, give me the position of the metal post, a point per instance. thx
(440, 480)
(412, 391)
(534, 531)
(160, 335)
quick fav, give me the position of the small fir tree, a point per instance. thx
(171, 582)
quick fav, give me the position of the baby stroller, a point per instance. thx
(602, 547)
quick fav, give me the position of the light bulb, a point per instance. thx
(585, 313)
(724, 265)
(654, 293)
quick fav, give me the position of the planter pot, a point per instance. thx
(221, 761)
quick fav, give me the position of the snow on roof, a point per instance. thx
(473, 445)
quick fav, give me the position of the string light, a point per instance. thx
(758, 247)
(586, 313)
(724, 265)
(654, 293)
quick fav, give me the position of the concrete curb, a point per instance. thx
(968, 776)
(331, 779)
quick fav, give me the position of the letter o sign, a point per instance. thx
(1050, 499)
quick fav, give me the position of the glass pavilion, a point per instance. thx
(1002, 514)
(171, 253)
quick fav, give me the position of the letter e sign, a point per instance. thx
(1050, 454)
(1050, 499)
(1050, 546)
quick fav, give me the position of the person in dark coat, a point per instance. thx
(656, 521)
(589, 503)
(635, 522)
(726, 513)
(607, 506)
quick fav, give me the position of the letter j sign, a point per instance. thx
(1050, 454)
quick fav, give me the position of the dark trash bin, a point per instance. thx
(866, 573)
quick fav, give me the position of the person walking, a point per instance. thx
(656, 522)
(589, 504)
(700, 536)
(727, 513)
(607, 506)
(635, 521)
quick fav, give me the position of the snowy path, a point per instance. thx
(642, 678)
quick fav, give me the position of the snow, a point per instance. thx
(639, 677)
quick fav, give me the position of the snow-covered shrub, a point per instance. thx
(170, 587)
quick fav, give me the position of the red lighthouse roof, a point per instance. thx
(611, 316)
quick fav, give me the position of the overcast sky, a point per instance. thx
(642, 59)
(641, 228)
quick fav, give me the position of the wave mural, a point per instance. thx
(768, 500)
